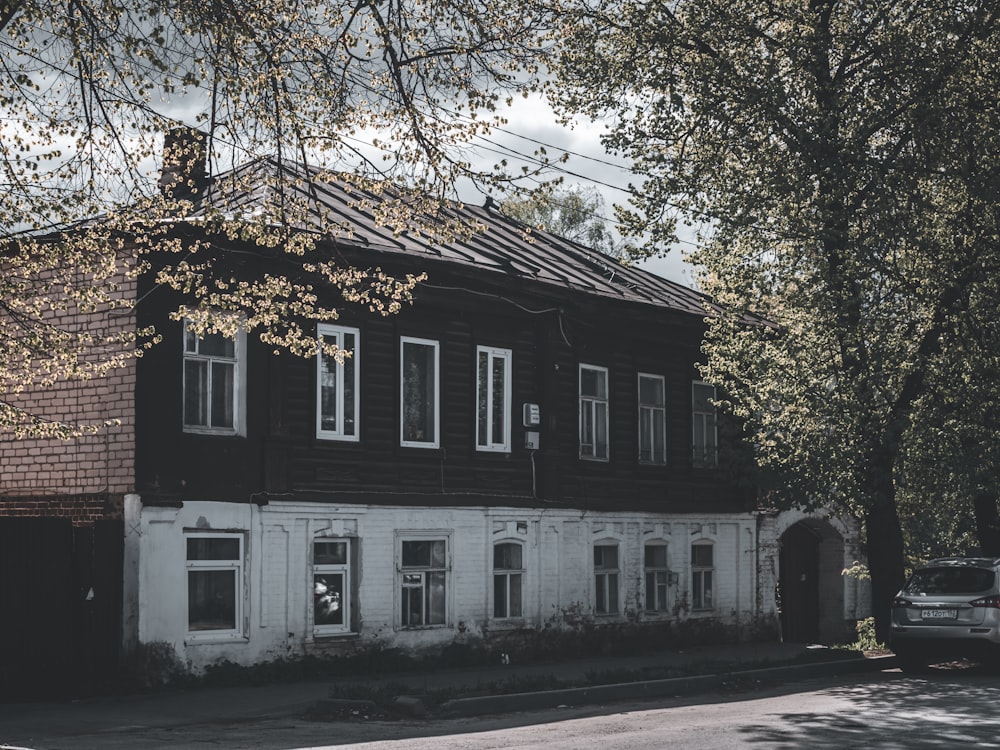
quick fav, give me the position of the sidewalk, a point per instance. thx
(639, 676)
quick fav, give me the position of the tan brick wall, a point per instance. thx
(76, 471)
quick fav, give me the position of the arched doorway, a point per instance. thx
(799, 582)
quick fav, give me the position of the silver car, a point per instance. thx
(949, 607)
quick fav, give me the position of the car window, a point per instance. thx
(950, 581)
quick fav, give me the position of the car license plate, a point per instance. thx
(939, 614)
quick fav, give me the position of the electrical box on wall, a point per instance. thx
(531, 441)
(532, 415)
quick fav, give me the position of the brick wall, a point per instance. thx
(85, 477)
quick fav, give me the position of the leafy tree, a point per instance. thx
(385, 91)
(575, 213)
(845, 153)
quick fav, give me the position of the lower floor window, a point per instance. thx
(508, 575)
(215, 584)
(331, 586)
(606, 579)
(423, 581)
(702, 576)
(657, 577)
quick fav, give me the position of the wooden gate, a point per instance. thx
(60, 606)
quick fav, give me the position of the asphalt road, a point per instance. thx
(940, 709)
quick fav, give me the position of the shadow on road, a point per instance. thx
(944, 707)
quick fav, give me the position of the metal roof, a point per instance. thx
(344, 213)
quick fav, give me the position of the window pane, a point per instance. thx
(656, 556)
(437, 554)
(330, 553)
(211, 600)
(196, 392)
(515, 594)
(701, 554)
(500, 596)
(213, 548)
(328, 388)
(412, 600)
(586, 427)
(507, 556)
(612, 592)
(593, 383)
(499, 393)
(601, 430)
(328, 590)
(707, 582)
(651, 391)
(606, 556)
(435, 598)
(222, 394)
(701, 395)
(418, 393)
(417, 554)
(600, 600)
(217, 345)
(650, 590)
(645, 435)
(659, 454)
(350, 363)
(483, 398)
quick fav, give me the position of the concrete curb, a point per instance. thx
(676, 686)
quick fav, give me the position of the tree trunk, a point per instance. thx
(885, 553)
(987, 523)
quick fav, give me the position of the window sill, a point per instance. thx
(330, 637)
(210, 432)
(507, 623)
(198, 639)
(411, 628)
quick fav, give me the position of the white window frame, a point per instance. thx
(239, 383)
(342, 569)
(339, 334)
(706, 453)
(607, 581)
(208, 566)
(493, 354)
(653, 409)
(436, 411)
(404, 581)
(591, 405)
(506, 574)
(659, 577)
(699, 600)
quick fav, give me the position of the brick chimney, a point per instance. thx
(184, 171)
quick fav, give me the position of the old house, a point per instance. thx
(527, 448)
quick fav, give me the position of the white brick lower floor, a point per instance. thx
(212, 581)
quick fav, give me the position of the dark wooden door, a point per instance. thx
(60, 606)
(799, 580)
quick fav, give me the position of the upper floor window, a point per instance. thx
(657, 577)
(213, 382)
(423, 579)
(214, 585)
(705, 446)
(606, 576)
(508, 577)
(493, 399)
(331, 585)
(419, 392)
(337, 384)
(593, 412)
(702, 575)
(652, 419)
